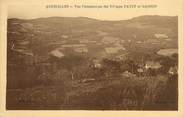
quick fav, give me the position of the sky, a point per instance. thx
(32, 11)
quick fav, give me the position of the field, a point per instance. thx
(141, 93)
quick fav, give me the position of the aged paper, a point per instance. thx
(91, 58)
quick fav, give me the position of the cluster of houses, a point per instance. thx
(142, 69)
(153, 65)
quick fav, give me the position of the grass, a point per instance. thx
(137, 93)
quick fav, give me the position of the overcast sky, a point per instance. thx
(24, 11)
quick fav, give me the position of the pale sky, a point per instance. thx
(31, 11)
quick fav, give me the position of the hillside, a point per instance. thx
(42, 35)
(79, 63)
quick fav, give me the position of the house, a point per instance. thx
(152, 65)
(140, 70)
(173, 70)
(96, 63)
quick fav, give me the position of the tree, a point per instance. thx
(129, 65)
(111, 67)
(73, 63)
(166, 63)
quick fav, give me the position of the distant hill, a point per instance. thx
(42, 35)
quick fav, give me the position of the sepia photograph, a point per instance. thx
(78, 62)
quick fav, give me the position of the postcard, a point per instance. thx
(91, 58)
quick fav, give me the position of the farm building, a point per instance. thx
(96, 63)
(173, 70)
(140, 70)
(152, 65)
